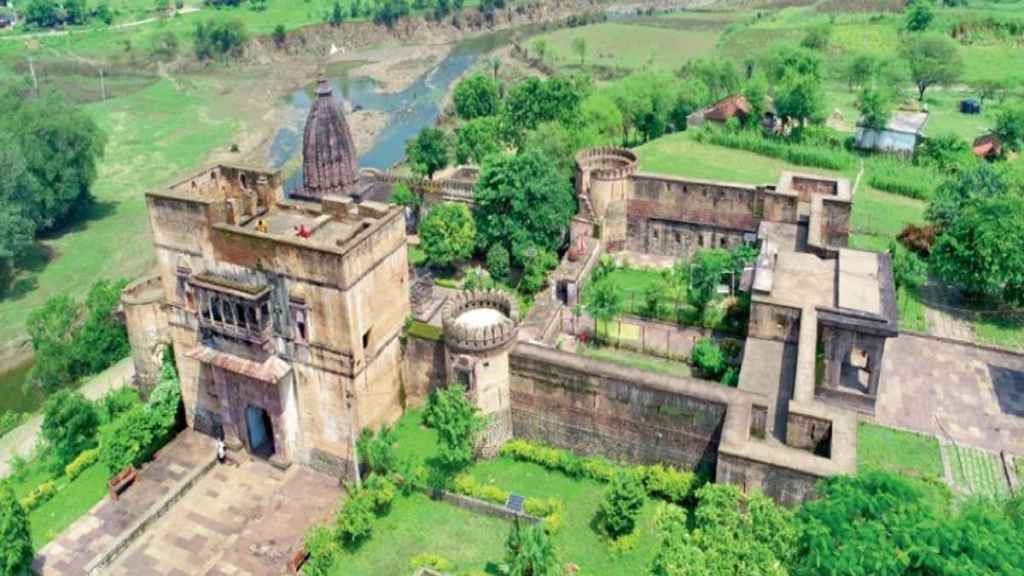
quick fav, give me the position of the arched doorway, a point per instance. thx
(261, 431)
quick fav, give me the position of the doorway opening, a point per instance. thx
(261, 432)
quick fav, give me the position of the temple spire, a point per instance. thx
(328, 153)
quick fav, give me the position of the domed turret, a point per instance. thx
(328, 154)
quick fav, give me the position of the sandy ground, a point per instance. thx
(398, 67)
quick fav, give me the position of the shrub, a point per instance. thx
(529, 552)
(919, 239)
(84, 460)
(220, 39)
(15, 540)
(669, 484)
(377, 451)
(117, 402)
(708, 358)
(448, 234)
(432, 561)
(129, 440)
(468, 486)
(69, 426)
(380, 490)
(39, 495)
(321, 544)
(801, 154)
(908, 270)
(621, 505)
(550, 510)
(498, 262)
(354, 522)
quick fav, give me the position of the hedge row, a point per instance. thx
(792, 152)
(134, 436)
(664, 482)
(550, 509)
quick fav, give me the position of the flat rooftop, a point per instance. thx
(802, 279)
(858, 281)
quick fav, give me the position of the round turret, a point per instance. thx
(328, 153)
(479, 320)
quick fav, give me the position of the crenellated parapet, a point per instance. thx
(479, 320)
(607, 162)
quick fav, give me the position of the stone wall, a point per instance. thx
(424, 368)
(785, 485)
(593, 407)
(774, 322)
(148, 332)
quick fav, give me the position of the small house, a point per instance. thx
(902, 134)
(720, 112)
(988, 147)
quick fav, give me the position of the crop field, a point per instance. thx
(977, 471)
(633, 46)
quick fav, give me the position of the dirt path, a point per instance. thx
(60, 33)
(22, 440)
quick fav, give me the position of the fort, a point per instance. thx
(286, 314)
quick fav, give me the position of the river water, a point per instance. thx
(409, 111)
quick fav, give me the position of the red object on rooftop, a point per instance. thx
(303, 232)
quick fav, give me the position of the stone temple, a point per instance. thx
(286, 315)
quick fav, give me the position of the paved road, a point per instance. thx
(22, 439)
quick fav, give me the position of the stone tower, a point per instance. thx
(479, 332)
(328, 153)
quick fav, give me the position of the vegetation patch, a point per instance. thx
(976, 471)
(882, 448)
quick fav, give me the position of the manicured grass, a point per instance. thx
(977, 471)
(630, 46)
(577, 541)
(415, 442)
(154, 135)
(72, 502)
(999, 330)
(417, 525)
(911, 311)
(881, 448)
(632, 359)
(680, 155)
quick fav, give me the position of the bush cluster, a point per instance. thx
(39, 495)
(660, 481)
(354, 522)
(551, 510)
(621, 504)
(134, 436)
(79, 464)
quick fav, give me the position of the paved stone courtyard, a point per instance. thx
(243, 519)
(94, 534)
(965, 394)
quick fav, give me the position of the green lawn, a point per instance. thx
(881, 448)
(999, 330)
(911, 311)
(415, 442)
(74, 500)
(879, 217)
(976, 471)
(154, 135)
(629, 46)
(632, 359)
(577, 541)
(418, 525)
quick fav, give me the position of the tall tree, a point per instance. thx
(919, 15)
(1010, 126)
(69, 426)
(478, 139)
(800, 97)
(979, 181)
(458, 424)
(476, 96)
(529, 552)
(933, 59)
(428, 152)
(448, 234)
(522, 201)
(875, 107)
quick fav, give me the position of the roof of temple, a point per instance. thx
(328, 153)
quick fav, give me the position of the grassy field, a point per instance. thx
(1000, 330)
(417, 525)
(630, 46)
(154, 134)
(881, 448)
(636, 360)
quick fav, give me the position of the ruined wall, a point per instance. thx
(836, 222)
(774, 322)
(809, 433)
(780, 207)
(785, 485)
(593, 407)
(807, 187)
(148, 333)
(424, 368)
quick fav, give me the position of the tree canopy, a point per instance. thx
(522, 202)
(933, 59)
(476, 96)
(448, 234)
(428, 152)
(15, 540)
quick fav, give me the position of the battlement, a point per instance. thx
(480, 320)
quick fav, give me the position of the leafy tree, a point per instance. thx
(558, 144)
(720, 77)
(731, 533)
(428, 152)
(101, 340)
(955, 192)
(706, 271)
(535, 101)
(115, 403)
(377, 451)
(280, 35)
(498, 262)
(477, 139)
(621, 503)
(800, 97)
(755, 90)
(354, 522)
(992, 88)
(522, 201)
(15, 539)
(605, 300)
(579, 46)
(61, 147)
(529, 552)
(220, 39)
(647, 100)
(875, 107)
(693, 95)
(1010, 127)
(458, 424)
(933, 59)
(946, 152)
(448, 234)
(789, 60)
(476, 96)
(75, 12)
(404, 196)
(17, 229)
(982, 248)
(860, 69)
(817, 38)
(41, 13)
(919, 15)
(69, 426)
(165, 45)
(387, 12)
(536, 265)
(708, 358)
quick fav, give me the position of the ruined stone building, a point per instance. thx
(284, 312)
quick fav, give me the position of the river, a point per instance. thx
(409, 110)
